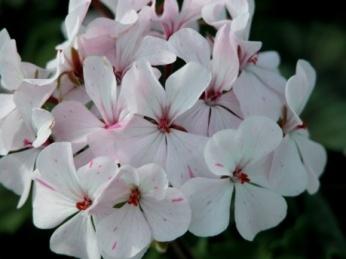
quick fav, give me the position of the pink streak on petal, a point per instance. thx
(114, 126)
(114, 245)
(190, 172)
(43, 183)
(91, 163)
(177, 200)
(219, 165)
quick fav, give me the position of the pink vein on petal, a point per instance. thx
(44, 184)
(219, 165)
(177, 199)
(114, 246)
(190, 172)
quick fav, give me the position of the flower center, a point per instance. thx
(241, 177)
(134, 198)
(211, 96)
(163, 125)
(84, 204)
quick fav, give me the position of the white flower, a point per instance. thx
(232, 155)
(298, 162)
(137, 207)
(61, 193)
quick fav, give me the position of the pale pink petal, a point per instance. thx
(101, 86)
(225, 63)
(76, 14)
(191, 46)
(210, 201)
(73, 122)
(156, 51)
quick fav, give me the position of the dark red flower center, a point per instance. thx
(84, 204)
(241, 177)
(164, 125)
(134, 198)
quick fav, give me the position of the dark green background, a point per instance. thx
(315, 225)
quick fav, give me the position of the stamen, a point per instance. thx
(134, 198)
(85, 204)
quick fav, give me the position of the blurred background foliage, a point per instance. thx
(315, 226)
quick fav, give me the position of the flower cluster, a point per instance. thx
(142, 129)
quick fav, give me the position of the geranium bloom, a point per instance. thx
(231, 156)
(76, 124)
(63, 193)
(218, 108)
(241, 12)
(298, 162)
(136, 207)
(153, 129)
(125, 45)
(172, 19)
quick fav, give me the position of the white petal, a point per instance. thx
(7, 105)
(156, 51)
(16, 172)
(258, 136)
(257, 209)
(10, 66)
(221, 119)
(96, 174)
(150, 142)
(222, 152)
(43, 122)
(124, 233)
(76, 238)
(287, 175)
(168, 218)
(300, 86)
(185, 157)
(191, 46)
(101, 86)
(143, 91)
(73, 122)
(50, 208)
(210, 201)
(75, 17)
(225, 61)
(184, 87)
(196, 120)
(255, 97)
(153, 181)
(314, 157)
(14, 133)
(56, 167)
